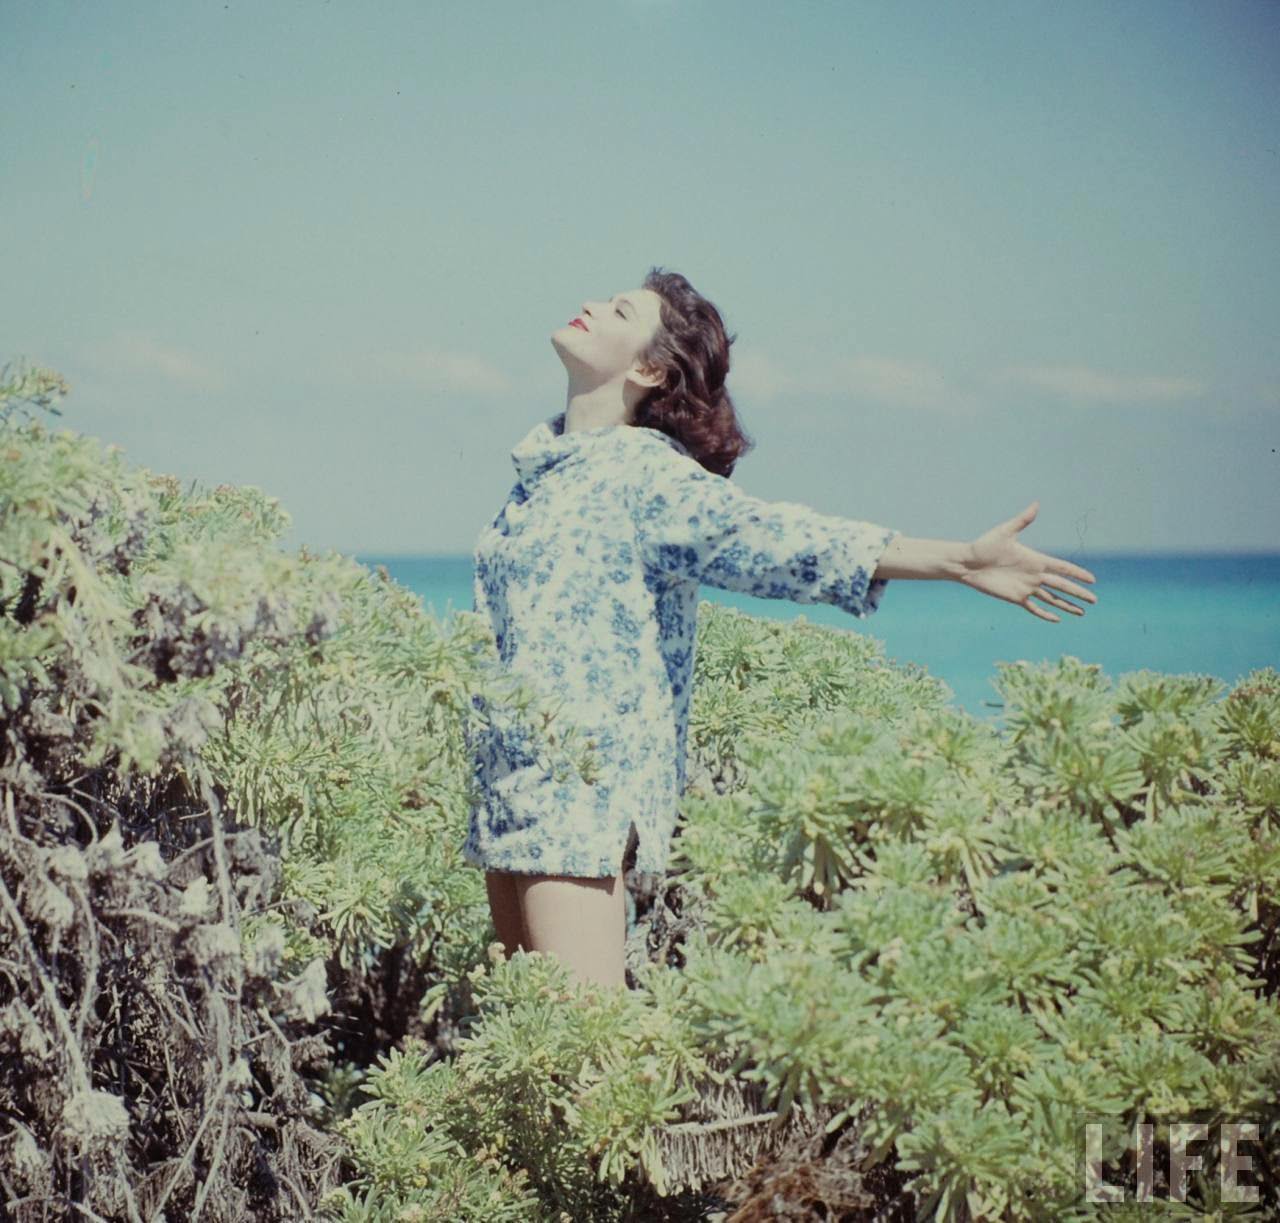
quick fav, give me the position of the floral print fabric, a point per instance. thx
(589, 578)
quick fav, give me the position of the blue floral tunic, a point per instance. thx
(589, 577)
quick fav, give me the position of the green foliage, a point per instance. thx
(187, 704)
(766, 679)
(965, 941)
(556, 1095)
(990, 939)
(149, 998)
(28, 386)
(412, 1168)
(1032, 930)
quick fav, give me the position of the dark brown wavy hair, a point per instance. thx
(691, 403)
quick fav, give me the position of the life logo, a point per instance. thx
(1231, 1161)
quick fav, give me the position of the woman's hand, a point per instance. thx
(998, 565)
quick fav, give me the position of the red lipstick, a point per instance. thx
(578, 323)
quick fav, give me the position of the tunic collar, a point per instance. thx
(546, 445)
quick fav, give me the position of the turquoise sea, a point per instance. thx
(1208, 614)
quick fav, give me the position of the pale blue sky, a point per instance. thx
(974, 254)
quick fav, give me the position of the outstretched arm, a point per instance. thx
(910, 557)
(994, 564)
(693, 524)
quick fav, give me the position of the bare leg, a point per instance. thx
(580, 921)
(504, 906)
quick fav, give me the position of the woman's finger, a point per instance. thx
(1054, 601)
(1056, 565)
(1060, 583)
(1019, 521)
(1036, 611)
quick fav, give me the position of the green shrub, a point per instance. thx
(251, 967)
(232, 781)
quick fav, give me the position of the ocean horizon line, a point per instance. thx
(1103, 554)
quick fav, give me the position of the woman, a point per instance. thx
(589, 577)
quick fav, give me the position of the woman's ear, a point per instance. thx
(649, 377)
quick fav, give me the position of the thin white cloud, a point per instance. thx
(437, 371)
(909, 383)
(919, 385)
(912, 384)
(1081, 383)
(759, 377)
(137, 355)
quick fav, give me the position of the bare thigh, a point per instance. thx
(580, 921)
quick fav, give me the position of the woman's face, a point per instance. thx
(608, 335)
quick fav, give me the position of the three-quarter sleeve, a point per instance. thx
(693, 524)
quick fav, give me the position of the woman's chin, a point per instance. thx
(565, 351)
